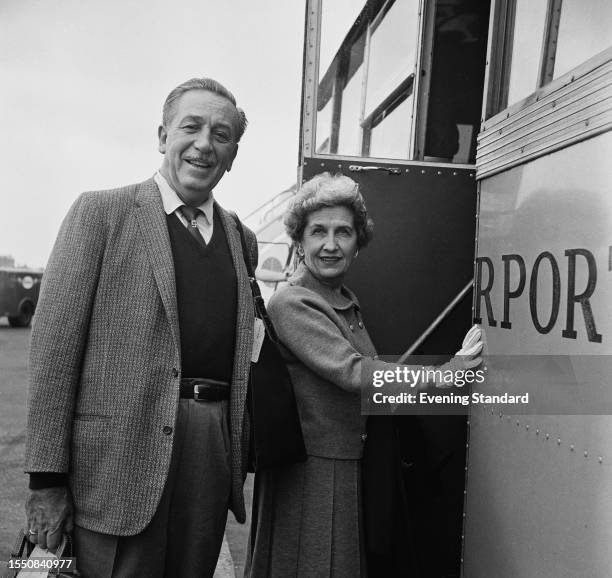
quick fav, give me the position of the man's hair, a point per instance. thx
(325, 190)
(202, 84)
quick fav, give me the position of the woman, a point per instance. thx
(308, 516)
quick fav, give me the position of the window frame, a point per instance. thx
(413, 82)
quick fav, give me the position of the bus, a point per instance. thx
(19, 288)
(479, 133)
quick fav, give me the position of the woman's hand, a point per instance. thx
(469, 357)
(470, 354)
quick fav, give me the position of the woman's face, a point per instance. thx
(329, 243)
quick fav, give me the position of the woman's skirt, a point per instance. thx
(307, 521)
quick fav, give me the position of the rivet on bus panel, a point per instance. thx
(547, 436)
(572, 448)
(518, 422)
(537, 432)
(527, 427)
(586, 454)
(600, 460)
(558, 441)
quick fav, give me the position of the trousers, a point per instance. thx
(185, 534)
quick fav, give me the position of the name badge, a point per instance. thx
(259, 333)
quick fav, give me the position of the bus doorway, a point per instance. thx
(392, 98)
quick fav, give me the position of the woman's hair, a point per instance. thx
(325, 190)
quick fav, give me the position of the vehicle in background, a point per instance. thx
(19, 288)
(275, 252)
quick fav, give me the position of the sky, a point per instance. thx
(83, 83)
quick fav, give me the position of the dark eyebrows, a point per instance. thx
(200, 120)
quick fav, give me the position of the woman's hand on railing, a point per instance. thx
(470, 354)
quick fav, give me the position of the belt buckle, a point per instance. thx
(196, 392)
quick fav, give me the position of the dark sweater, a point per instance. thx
(206, 299)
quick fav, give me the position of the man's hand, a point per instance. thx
(49, 512)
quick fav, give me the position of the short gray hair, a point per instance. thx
(202, 84)
(325, 190)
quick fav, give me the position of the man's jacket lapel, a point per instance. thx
(154, 229)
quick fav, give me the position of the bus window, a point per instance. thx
(584, 31)
(455, 81)
(371, 103)
(392, 52)
(529, 23)
(389, 135)
(368, 80)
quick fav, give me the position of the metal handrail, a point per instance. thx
(436, 322)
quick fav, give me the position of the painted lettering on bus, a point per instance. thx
(515, 281)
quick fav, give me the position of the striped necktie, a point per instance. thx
(191, 214)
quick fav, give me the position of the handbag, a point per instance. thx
(276, 433)
(29, 561)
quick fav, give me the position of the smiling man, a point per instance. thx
(137, 430)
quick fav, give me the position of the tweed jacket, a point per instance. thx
(105, 359)
(330, 357)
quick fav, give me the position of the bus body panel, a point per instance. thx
(539, 487)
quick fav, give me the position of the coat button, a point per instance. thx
(167, 430)
(352, 327)
(364, 437)
(360, 325)
(175, 372)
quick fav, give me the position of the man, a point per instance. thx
(140, 354)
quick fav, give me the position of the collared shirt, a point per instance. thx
(172, 203)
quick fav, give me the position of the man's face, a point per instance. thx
(199, 144)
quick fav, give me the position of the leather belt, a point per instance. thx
(203, 389)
